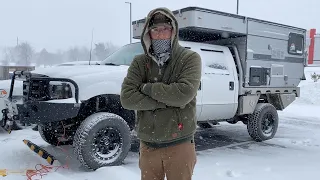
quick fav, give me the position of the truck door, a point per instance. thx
(219, 85)
(199, 100)
(199, 93)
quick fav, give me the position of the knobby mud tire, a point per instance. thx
(86, 135)
(258, 117)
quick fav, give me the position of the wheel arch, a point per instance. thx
(247, 104)
(107, 103)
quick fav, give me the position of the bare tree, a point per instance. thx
(102, 50)
(43, 57)
(25, 53)
(7, 57)
(74, 54)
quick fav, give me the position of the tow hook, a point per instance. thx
(7, 123)
(8, 126)
(4, 117)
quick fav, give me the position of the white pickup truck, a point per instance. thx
(251, 68)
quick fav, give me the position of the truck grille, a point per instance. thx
(35, 90)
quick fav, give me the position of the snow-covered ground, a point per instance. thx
(224, 152)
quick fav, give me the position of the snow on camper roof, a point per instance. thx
(194, 21)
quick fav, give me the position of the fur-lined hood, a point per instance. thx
(145, 38)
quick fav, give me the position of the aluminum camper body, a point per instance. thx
(272, 55)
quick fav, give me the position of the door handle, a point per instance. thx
(199, 86)
(231, 85)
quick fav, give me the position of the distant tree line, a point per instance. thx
(24, 54)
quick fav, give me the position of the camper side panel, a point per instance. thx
(239, 42)
(277, 55)
(273, 30)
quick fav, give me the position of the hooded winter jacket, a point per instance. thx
(166, 107)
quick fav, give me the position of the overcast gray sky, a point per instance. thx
(59, 24)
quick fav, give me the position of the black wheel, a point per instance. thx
(263, 122)
(207, 124)
(103, 139)
(233, 120)
(49, 135)
(245, 122)
(35, 128)
(204, 125)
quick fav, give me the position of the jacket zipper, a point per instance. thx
(153, 125)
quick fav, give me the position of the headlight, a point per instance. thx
(60, 91)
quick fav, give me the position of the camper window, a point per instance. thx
(295, 44)
(214, 61)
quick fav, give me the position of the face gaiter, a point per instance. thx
(161, 49)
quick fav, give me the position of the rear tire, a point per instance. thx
(207, 124)
(204, 125)
(263, 122)
(103, 139)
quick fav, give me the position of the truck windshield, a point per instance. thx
(124, 55)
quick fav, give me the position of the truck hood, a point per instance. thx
(78, 70)
(92, 80)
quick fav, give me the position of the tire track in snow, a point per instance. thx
(313, 123)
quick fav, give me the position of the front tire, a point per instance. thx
(103, 139)
(263, 122)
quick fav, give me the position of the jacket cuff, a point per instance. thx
(146, 89)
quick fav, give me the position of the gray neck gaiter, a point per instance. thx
(161, 49)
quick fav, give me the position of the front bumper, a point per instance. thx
(44, 112)
(27, 109)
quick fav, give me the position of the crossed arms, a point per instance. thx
(159, 95)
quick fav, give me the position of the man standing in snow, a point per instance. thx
(161, 85)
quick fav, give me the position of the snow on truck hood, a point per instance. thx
(74, 71)
(92, 80)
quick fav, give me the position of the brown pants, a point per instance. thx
(175, 162)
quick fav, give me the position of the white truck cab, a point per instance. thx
(217, 97)
(250, 70)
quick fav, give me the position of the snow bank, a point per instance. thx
(297, 110)
(117, 173)
(310, 91)
(308, 104)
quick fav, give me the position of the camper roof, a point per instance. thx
(201, 24)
